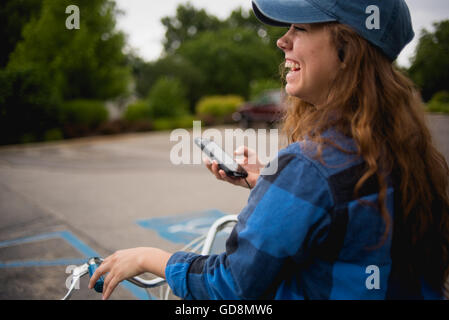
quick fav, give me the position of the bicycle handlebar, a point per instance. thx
(92, 263)
(89, 268)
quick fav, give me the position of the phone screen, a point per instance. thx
(221, 156)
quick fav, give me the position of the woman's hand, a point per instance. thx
(250, 163)
(125, 264)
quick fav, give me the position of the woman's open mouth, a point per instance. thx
(294, 69)
(293, 66)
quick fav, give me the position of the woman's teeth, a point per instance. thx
(292, 65)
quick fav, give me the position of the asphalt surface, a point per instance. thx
(87, 195)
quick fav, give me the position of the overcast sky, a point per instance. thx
(141, 20)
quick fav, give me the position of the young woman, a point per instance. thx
(359, 205)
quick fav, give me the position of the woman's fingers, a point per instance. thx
(213, 167)
(110, 283)
(220, 174)
(102, 269)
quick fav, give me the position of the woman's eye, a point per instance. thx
(299, 28)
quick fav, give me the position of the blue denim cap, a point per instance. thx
(388, 25)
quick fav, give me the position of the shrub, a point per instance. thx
(139, 110)
(85, 113)
(28, 105)
(218, 106)
(53, 135)
(168, 98)
(185, 122)
(439, 102)
(173, 123)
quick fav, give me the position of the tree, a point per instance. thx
(240, 18)
(217, 57)
(14, 14)
(167, 98)
(430, 65)
(185, 25)
(230, 59)
(85, 63)
(28, 105)
(173, 66)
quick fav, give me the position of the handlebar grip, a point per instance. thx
(100, 282)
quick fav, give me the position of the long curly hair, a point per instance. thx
(382, 111)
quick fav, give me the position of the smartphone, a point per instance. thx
(224, 160)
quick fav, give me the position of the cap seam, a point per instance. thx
(390, 23)
(312, 3)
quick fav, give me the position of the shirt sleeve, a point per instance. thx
(286, 215)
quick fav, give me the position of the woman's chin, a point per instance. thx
(293, 91)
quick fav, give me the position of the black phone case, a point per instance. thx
(229, 172)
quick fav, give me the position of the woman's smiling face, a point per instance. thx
(312, 60)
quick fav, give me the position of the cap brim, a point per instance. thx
(283, 13)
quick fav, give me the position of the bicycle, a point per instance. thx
(203, 243)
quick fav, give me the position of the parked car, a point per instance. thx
(269, 107)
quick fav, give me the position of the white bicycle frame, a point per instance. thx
(204, 242)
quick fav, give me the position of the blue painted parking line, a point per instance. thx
(42, 263)
(183, 228)
(41, 237)
(76, 243)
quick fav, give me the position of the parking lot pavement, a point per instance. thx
(64, 201)
(102, 191)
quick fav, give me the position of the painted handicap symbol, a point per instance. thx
(184, 228)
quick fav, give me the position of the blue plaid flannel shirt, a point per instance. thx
(302, 235)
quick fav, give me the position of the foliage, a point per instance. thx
(167, 98)
(28, 104)
(139, 110)
(53, 135)
(85, 63)
(185, 25)
(171, 123)
(220, 57)
(230, 58)
(259, 86)
(14, 14)
(86, 113)
(218, 106)
(439, 102)
(430, 65)
(173, 66)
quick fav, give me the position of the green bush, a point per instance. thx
(86, 113)
(218, 106)
(28, 105)
(53, 135)
(139, 110)
(167, 98)
(259, 86)
(165, 123)
(439, 102)
(185, 121)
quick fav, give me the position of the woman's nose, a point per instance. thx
(283, 43)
